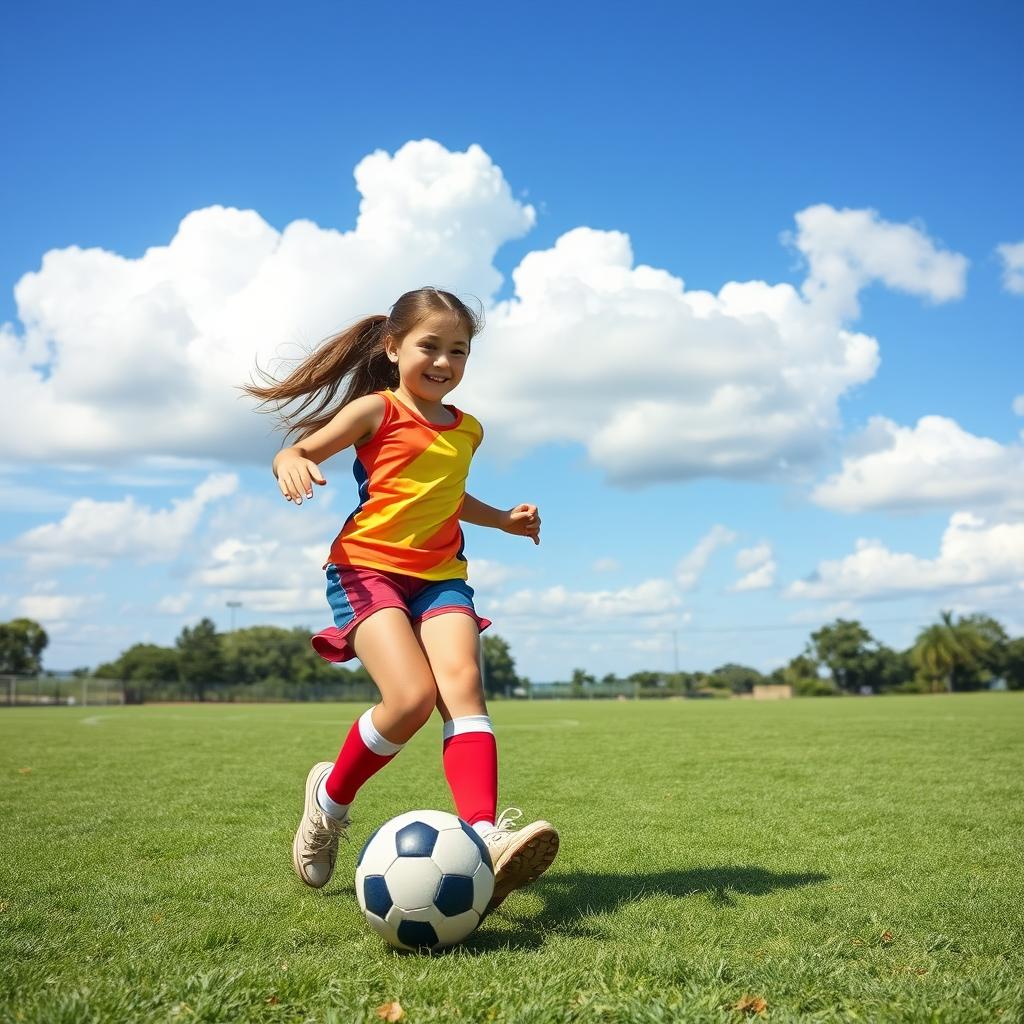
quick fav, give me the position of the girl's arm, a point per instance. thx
(298, 466)
(479, 514)
(523, 520)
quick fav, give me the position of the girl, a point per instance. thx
(397, 575)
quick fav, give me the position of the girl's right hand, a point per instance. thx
(295, 474)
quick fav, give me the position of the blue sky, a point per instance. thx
(700, 136)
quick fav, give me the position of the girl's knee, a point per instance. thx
(461, 692)
(416, 704)
(464, 683)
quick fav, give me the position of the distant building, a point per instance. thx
(772, 691)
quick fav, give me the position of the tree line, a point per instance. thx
(257, 663)
(269, 662)
(952, 655)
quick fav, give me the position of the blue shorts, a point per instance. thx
(355, 591)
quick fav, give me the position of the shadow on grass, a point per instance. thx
(569, 900)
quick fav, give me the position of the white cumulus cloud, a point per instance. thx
(692, 565)
(100, 532)
(486, 574)
(751, 558)
(54, 608)
(268, 554)
(1012, 254)
(650, 597)
(973, 553)
(935, 463)
(660, 383)
(847, 250)
(758, 565)
(140, 357)
(124, 359)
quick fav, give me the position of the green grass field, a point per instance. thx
(854, 859)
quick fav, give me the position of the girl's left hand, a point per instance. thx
(523, 521)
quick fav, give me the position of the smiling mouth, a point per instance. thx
(436, 380)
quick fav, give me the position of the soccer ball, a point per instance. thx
(424, 880)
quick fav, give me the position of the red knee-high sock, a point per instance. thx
(364, 753)
(471, 768)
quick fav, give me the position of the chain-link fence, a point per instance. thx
(32, 691)
(40, 691)
(43, 691)
(623, 690)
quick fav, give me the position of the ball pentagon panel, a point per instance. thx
(397, 917)
(376, 898)
(416, 839)
(418, 935)
(454, 895)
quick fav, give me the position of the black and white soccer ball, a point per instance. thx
(424, 880)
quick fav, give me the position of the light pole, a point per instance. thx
(233, 605)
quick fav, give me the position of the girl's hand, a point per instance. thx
(295, 474)
(523, 521)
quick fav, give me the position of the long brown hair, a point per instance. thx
(356, 353)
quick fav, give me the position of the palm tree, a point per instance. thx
(945, 646)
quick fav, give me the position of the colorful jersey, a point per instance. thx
(412, 484)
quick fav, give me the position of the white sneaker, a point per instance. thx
(519, 856)
(315, 846)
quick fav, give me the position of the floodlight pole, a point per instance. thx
(233, 605)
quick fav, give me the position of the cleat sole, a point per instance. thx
(525, 865)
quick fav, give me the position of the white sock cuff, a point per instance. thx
(373, 739)
(467, 723)
(327, 805)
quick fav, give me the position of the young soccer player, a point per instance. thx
(396, 572)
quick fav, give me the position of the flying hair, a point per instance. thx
(355, 355)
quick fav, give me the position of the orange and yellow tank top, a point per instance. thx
(412, 483)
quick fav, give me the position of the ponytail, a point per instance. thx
(357, 355)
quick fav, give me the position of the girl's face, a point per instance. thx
(431, 357)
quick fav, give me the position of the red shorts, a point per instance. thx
(354, 592)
